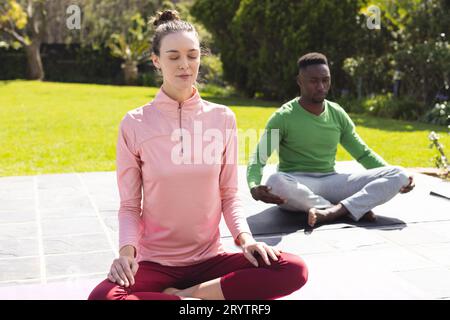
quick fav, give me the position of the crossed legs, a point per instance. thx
(327, 197)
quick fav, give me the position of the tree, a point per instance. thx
(103, 18)
(122, 26)
(22, 23)
(260, 41)
(132, 47)
(416, 34)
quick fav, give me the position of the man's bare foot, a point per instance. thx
(317, 216)
(322, 216)
(369, 217)
(179, 292)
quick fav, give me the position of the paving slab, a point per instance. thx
(62, 289)
(19, 247)
(75, 243)
(415, 233)
(13, 216)
(439, 253)
(78, 264)
(340, 276)
(19, 269)
(71, 226)
(19, 230)
(434, 281)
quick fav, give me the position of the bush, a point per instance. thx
(148, 79)
(74, 63)
(404, 108)
(426, 66)
(439, 114)
(211, 71)
(13, 64)
(386, 106)
(217, 91)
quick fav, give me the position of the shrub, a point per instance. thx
(211, 71)
(439, 114)
(387, 106)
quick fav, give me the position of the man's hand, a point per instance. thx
(409, 187)
(263, 193)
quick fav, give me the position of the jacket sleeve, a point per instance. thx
(231, 203)
(129, 181)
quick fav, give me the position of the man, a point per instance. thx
(309, 129)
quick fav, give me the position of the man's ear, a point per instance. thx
(298, 80)
(155, 60)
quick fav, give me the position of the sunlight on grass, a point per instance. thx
(60, 127)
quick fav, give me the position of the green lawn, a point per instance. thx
(58, 127)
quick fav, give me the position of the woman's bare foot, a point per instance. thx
(173, 291)
(179, 292)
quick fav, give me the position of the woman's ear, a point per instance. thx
(155, 60)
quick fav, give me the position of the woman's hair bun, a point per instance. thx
(165, 16)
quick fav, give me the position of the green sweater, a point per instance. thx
(307, 142)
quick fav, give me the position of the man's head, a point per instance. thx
(314, 77)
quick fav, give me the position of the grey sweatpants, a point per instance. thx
(358, 192)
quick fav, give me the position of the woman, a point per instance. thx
(170, 246)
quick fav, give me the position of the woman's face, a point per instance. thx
(179, 59)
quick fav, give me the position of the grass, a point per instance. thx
(60, 127)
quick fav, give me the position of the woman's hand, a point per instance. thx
(250, 247)
(123, 269)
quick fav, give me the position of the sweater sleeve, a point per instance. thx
(231, 203)
(268, 143)
(357, 148)
(129, 181)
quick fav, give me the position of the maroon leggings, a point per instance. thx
(239, 279)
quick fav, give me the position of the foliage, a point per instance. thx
(13, 19)
(101, 19)
(405, 108)
(22, 23)
(134, 45)
(440, 159)
(260, 41)
(439, 114)
(427, 66)
(211, 70)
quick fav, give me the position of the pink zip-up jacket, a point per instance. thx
(172, 200)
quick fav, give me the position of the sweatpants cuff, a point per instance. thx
(352, 212)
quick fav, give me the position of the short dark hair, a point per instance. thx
(311, 58)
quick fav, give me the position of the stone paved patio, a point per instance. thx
(58, 236)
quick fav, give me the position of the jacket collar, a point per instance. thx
(166, 104)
